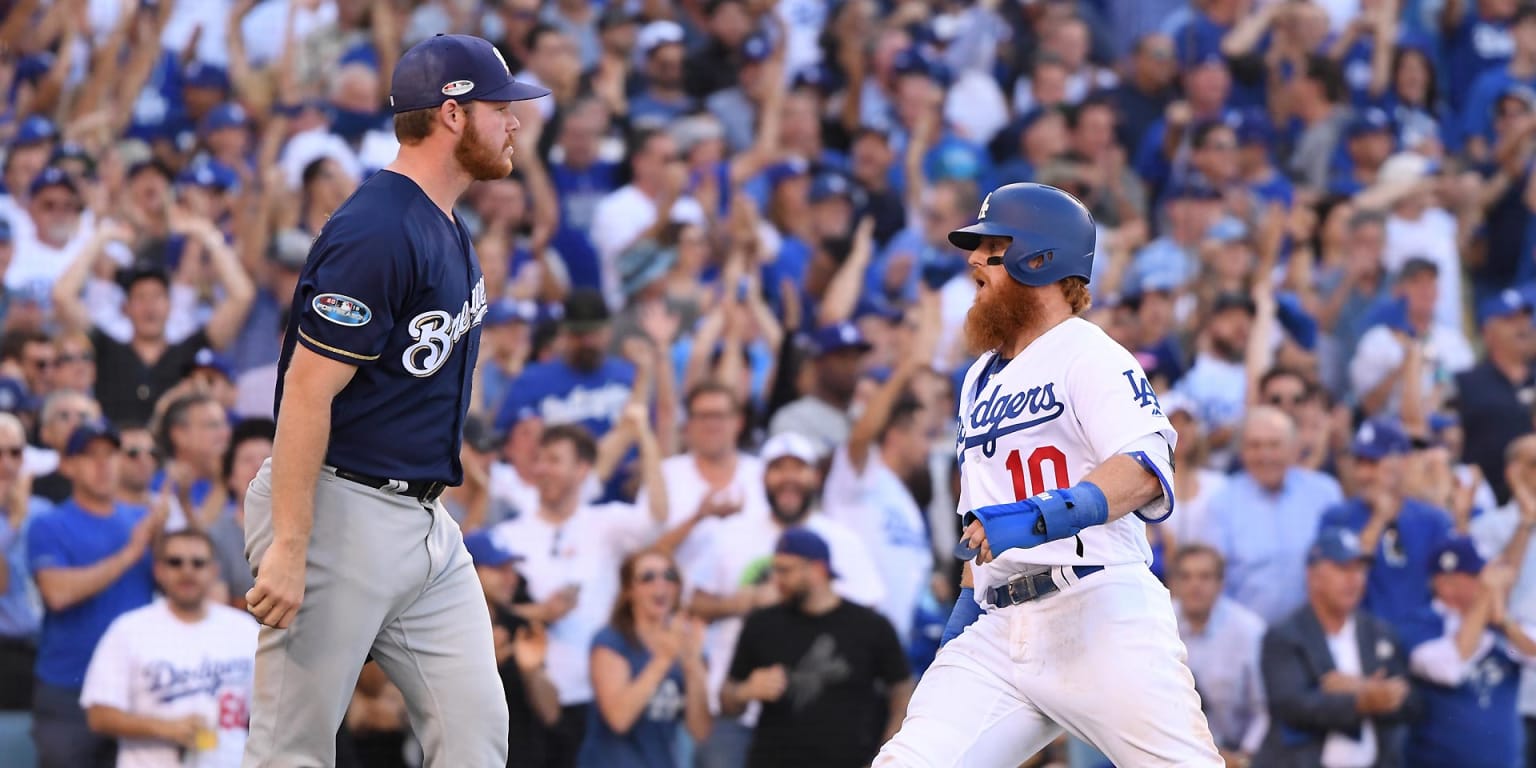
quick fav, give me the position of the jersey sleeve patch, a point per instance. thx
(341, 309)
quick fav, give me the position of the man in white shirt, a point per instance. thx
(627, 212)
(1223, 640)
(1374, 372)
(48, 233)
(736, 578)
(573, 550)
(172, 680)
(714, 481)
(1419, 228)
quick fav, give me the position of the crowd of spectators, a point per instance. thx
(709, 467)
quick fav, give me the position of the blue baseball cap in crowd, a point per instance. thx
(756, 49)
(1336, 545)
(199, 74)
(34, 130)
(507, 311)
(52, 176)
(1509, 301)
(802, 542)
(213, 361)
(1368, 121)
(13, 396)
(820, 77)
(1456, 555)
(1253, 127)
(1193, 187)
(80, 440)
(789, 168)
(461, 67)
(1379, 438)
(839, 337)
(486, 551)
(830, 185)
(226, 115)
(210, 174)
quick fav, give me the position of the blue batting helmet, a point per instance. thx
(1046, 225)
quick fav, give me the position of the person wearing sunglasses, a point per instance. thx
(171, 681)
(648, 675)
(62, 413)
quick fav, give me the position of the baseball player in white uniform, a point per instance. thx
(1065, 456)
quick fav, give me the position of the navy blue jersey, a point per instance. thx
(1475, 724)
(393, 287)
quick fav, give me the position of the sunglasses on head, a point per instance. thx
(646, 577)
(176, 561)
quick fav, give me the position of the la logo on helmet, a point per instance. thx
(984, 203)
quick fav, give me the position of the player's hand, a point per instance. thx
(975, 537)
(279, 589)
(182, 730)
(766, 683)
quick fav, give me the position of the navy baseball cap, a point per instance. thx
(757, 48)
(1379, 438)
(1368, 121)
(210, 174)
(829, 185)
(52, 176)
(1507, 302)
(1456, 555)
(200, 74)
(461, 67)
(839, 337)
(226, 115)
(802, 542)
(1253, 127)
(80, 440)
(485, 550)
(1193, 188)
(506, 311)
(1336, 545)
(213, 361)
(34, 130)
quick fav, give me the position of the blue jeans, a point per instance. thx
(60, 732)
(726, 746)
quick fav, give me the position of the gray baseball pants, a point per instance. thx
(385, 575)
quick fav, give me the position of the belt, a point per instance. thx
(1026, 587)
(425, 491)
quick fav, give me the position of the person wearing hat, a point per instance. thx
(506, 343)
(1370, 139)
(739, 105)
(1422, 206)
(1494, 398)
(1336, 677)
(587, 385)
(1503, 535)
(1475, 96)
(1379, 357)
(374, 385)
(1397, 532)
(225, 131)
(51, 225)
(1470, 663)
(522, 647)
(90, 559)
(28, 154)
(662, 96)
(784, 657)
(837, 354)
(730, 580)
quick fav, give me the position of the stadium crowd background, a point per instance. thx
(723, 306)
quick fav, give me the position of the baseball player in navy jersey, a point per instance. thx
(352, 551)
(1065, 455)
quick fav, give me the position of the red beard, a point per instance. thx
(997, 318)
(482, 164)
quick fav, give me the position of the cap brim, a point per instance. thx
(512, 90)
(969, 238)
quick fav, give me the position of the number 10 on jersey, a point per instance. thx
(1027, 486)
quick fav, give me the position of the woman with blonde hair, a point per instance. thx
(648, 674)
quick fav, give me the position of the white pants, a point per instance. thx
(1100, 659)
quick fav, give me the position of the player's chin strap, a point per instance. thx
(1038, 519)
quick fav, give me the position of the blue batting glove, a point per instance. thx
(965, 614)
(1044, 517)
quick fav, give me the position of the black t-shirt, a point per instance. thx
(525, 742)
(127, 388)
(840, 665)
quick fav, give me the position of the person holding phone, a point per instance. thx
(648, 675)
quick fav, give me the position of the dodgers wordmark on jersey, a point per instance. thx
(1042, 421)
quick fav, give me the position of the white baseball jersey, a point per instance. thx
(1070, 401)
(151, 663)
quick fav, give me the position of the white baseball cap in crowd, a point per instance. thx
(791, 445)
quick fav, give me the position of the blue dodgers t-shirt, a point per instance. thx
(70, 537)
(560, 394)
(651, 741)
(1397, 583)
(393, 287)
(1475, 724)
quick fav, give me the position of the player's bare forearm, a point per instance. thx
(303, 433)
(1127, 485)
